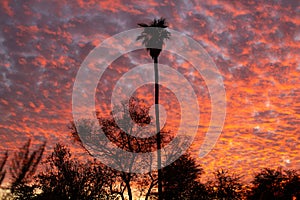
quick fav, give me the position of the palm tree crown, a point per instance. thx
(154, 35)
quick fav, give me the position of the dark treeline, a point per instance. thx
(62, 176)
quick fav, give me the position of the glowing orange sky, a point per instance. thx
(254, 45)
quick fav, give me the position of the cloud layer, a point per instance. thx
(254, 45)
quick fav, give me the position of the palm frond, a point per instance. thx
(143, 25)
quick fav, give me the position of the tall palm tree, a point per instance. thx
(153, 38)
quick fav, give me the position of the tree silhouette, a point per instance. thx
(181, 180)
(22, 169)
(124, 139)
(225, 186)
(292, 184)
(153, 38)
(275, 184)
(67, 178)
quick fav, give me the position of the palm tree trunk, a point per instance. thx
(129, 192)
(158, 142)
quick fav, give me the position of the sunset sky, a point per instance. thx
(254, 44)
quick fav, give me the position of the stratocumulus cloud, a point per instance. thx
(255, 45)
